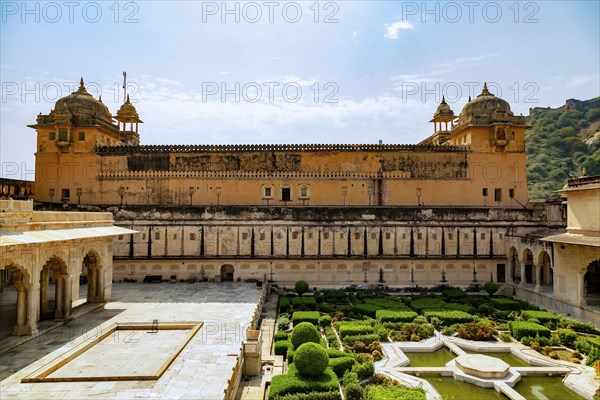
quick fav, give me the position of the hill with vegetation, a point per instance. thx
(561, 143)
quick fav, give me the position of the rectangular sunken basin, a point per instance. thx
(126, 351)
(437, 358)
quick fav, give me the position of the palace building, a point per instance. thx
(452, 209)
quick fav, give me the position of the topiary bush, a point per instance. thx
(520, 329)
(353, 391)
(293, 382)
(543, 316)
(427, 304)
(566, 336)
(366, 309)
(301, 287)
(304, 332)
(283, 323)
(325, 320)
(352, 330)
(284, 304)
(365, 339)
(491, 287)
(281, 347)
(449, 317)
(304, 303)
(340, 365)
(505, 304)
(305, 316)
(364, 370)
(395, 315)
(310, 359)
(280, 336)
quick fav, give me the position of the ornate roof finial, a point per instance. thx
(443, 100)
(81, 86)
(127, 101)
(100, 98)
(81, 89)
(469, 99)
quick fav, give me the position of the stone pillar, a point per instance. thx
(91, 289)
(20, 327)
(581, 289)
(44, 282)
(33, 304)
(509, 271)
(538, 278)
(99, 285)
(60, 297)
(523, 278)
(67, 296)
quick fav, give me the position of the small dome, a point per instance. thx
(81, 105)
(127, 111)
(443, 108)
(486, 104)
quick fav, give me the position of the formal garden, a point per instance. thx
(331, 340)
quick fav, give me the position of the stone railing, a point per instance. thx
(233, 382)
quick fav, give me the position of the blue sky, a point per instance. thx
(288, 72)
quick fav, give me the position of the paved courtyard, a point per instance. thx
(200, 371)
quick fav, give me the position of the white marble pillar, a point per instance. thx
(59, 297)
(67, 296)
(20, 327)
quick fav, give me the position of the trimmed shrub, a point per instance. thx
(365, 339)
(304, 332)
(380, 392)
(335, 353)
(449, 317)
(390, 303)
(311, 396)
(579, 326)
(301, 287)
(290, 355)
(280, 336)
(353, 391)
(542, 316)
(520, 329)
(395, 315)
(325, 320)
(340, 365)
(427, 304)
(350, 377)
(306, 303)
(459, 307)
(505, 304)
(491, 287)
(305, 316)
(311, 359)
(366, 309)
(364, 370)
(284, 304)
(336, 296)
(281, 347)
(332, 339)
(293, 382)
(283, 323)
(566, 336)
(353, 330)
(454, 293)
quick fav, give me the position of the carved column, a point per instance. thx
(538, 278)
(20, 327)
(67, 296)
(60, 297)
(581, 289)
(44, 282)
(509, 271)
(523, 277)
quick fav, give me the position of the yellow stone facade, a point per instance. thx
(84, 158)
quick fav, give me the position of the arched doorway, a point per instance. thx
(227, 273)
(14, 305)
(54, 291)
(528, 261)
(592, 283)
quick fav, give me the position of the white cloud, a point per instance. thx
(393, 28)
(581, 80)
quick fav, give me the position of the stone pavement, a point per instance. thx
(201, 370)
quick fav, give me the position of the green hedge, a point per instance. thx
(460, 307)
(454, 293)
(505, 304)
(386, 303)
(340, 365)
(304, 302)
(427, 304)
(542, 316)
(335, 353)
(336, 296)
(395, 315)
(284, 304)
(380, 392)
(311, 396)
(353, 330)
(520, 329)
(306, 316)
(366, 309)
(281, 347)
(449, 317)
(366, 339)
(579, 326)
(280, 336)
(293, 382)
